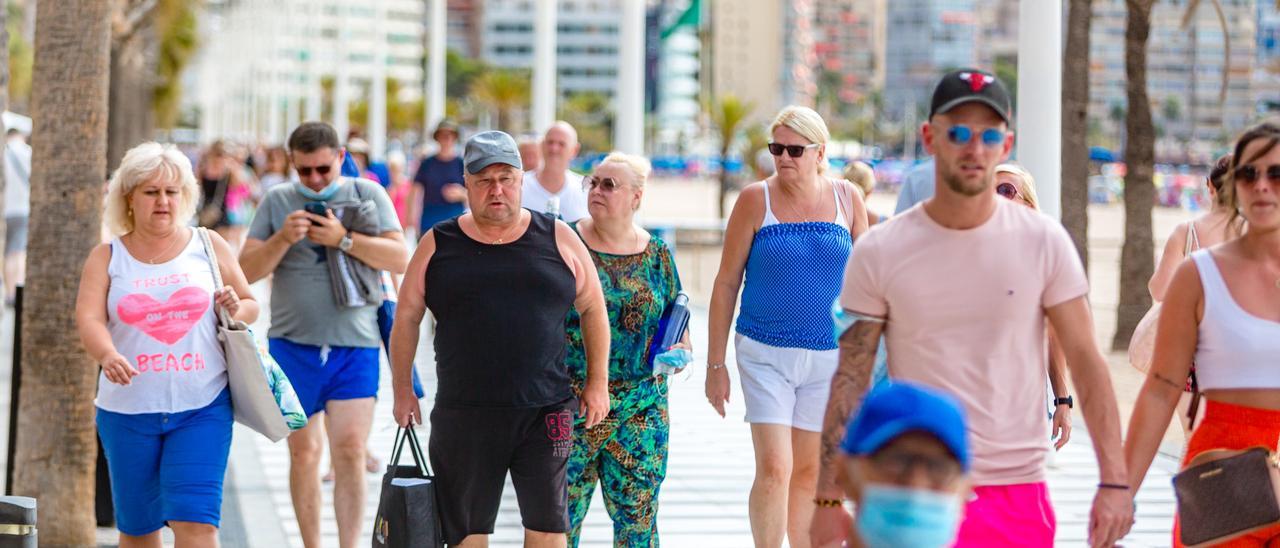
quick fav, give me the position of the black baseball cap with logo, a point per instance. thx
(971, 86)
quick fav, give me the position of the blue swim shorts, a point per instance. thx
(320, 374)
(167, 466)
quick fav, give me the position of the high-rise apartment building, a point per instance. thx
(587, 47)
(849, 44)
(262, 63)
(925, 39)
(1184, 70)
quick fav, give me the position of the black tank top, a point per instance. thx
(500, 317)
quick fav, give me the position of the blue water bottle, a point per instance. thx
(671, 328)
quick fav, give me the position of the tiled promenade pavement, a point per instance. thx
(704, 499)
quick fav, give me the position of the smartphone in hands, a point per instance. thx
(316, 208)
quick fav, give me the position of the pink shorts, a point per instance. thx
(1008, 515)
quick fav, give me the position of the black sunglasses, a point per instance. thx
(607, 184)
(305, 171)
(1251, 174)
(794, 151)
(1008, 190)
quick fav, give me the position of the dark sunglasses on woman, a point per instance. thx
(1251, 174)
(1008, 190)
(794, 151)
(607, 184)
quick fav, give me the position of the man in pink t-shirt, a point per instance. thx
(960, 286)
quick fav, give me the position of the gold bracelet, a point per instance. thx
(828, 503)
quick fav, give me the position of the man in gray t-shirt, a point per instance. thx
(329, 351)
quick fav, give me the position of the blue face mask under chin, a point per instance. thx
(916, 518)
(324, 194)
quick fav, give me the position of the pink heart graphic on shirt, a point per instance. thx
(169, 321)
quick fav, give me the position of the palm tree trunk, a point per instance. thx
(1137, 259)
(56, 449)
(130, 120)
(4, 105)
(1075, 122)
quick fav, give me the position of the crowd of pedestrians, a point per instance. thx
(915, 365)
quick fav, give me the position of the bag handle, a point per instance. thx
(1193, 409)
(419, 458)
(223, 319)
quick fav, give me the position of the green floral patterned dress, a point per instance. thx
(627, 452)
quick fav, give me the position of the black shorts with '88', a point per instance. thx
(473, 448)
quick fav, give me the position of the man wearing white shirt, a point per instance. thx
(553, 188)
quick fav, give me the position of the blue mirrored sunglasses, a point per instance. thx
(961, 135)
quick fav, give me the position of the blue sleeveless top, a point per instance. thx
(793, 275)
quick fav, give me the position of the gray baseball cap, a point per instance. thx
(490, 147)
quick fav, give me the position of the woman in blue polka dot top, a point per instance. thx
(789, 236)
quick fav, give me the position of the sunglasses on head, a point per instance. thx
(1251, 174)
(794, 151)
(607, 184)
(305, 171)
(961, 135)
(1008, 190)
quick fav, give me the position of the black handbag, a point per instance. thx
(408, 516)
(1223, 494)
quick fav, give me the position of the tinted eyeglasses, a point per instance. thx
(794, 151)
(606, 184)
(1008, 190)
(1251, 174)
(941, 471)
(961, 135)
(305, 171)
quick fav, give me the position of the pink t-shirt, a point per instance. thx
(965, 313)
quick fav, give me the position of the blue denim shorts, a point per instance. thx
(167, 466)
(323, 374)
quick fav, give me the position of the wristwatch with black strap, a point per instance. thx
(1067, 401)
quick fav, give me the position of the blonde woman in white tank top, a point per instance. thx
(1222, 312)
(145, 313)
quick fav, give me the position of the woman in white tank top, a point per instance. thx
(1222, 312)
(145, 312)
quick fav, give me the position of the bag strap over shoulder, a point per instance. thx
(1193, 239)
(203, 232)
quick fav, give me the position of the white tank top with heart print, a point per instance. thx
(161, 319)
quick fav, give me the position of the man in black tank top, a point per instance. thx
(499, 281)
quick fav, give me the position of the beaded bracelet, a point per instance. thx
(829, 503)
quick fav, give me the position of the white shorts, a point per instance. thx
(787, 386)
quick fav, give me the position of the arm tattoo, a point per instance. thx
(849, 384)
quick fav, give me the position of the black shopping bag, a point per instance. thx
(407, 513)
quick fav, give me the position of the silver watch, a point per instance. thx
(346, 243)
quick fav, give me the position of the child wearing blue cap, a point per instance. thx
(905, 464)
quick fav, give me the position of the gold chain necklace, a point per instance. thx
(162, 253)
(804, 216)
(505, 234)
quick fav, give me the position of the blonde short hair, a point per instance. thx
(639, 166)
(149, 162)
(805, 121)
(862, 176)
(1027, 187)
